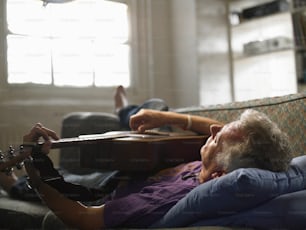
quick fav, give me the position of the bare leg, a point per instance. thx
(120, 99)
(7, 181)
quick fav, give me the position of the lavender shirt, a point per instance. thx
(140, 204)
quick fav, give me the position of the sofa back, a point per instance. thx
(289, 112)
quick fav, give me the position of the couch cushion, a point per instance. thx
(240, 190)
(17, 214)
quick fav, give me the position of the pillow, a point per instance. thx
(283, 212)
(237, 191)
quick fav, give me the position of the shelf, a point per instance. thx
(263, 75)
(298, 5)
(261, 29)
(299, 26)
(299, 10)
(268, 72)
(247, 11)
(300, 49)
(277, 17)
(253, 3)
(276, 52)
(242, 4)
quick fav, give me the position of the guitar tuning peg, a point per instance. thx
(11, 150)
(8, 171)
(1, 157)
(11, 155)
(20, 165)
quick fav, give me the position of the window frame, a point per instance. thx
(47, 91)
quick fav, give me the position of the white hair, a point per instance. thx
(263, 145)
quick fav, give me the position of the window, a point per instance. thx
(81, 43)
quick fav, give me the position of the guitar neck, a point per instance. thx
(132, 135)
(96, 138)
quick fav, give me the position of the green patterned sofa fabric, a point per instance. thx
(279, 109)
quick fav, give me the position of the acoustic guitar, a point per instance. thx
(120, 150)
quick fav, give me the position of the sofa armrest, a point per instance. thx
(81, 123)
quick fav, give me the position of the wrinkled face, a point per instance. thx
(214, 143)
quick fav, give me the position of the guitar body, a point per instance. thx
(130, 154)
(123, 151)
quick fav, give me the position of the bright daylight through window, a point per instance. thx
(80, 43)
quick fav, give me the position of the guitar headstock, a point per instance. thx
(9, 160)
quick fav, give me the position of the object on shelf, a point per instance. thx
(301, 66)
(299, 3)
(269, 45)
(265, 9)
(299, 27)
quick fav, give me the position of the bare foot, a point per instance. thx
(7, 181)
(120, 98)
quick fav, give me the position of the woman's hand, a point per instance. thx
(39, 131)
(147, 119)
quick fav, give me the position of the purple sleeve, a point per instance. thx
(151, 201)
(144, 208)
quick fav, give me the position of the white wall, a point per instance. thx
(160, 66)
(188, 52)
(165, 51)
(214, 72)
(185, 60)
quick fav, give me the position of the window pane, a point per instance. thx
(29, 60)
(72, 62)
(28, 17)
(111, 66)
(81, 43)
(112, 24)
(73, 19)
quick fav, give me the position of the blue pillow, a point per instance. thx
(287, 211)
(237, 191)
